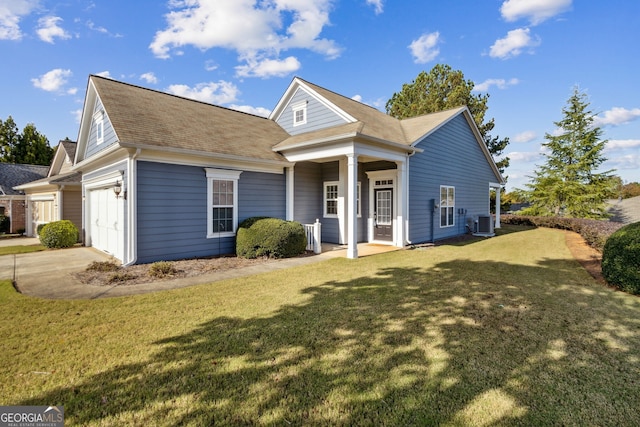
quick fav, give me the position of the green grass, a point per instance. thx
(503, 331)
(25, 249)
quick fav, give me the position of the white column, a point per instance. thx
(352, 206)
(498, 189)
(401, 184)
(290, 192)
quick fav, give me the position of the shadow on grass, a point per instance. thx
(462, 343)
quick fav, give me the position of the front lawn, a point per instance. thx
(503, 331)
(21, 249)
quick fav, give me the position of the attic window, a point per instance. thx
(98, 119)
(299, 113)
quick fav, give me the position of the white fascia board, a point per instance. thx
(200, 159)
(112, 154)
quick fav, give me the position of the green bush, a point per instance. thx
(59, 234)
(270, 237)
(621, 259)
(39, 228)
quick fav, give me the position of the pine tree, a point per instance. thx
(443, 88)
(568, 184)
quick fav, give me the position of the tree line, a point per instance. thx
(26, 147)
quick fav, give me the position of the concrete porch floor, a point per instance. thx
(364, 249)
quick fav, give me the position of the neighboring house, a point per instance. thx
(58, 195)
(12, 201)
(625, 211)
(164, 177)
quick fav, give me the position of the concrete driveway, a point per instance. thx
(48, 274)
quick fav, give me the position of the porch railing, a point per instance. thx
(313, 236)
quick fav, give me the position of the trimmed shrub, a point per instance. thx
(270, 237)
(39, 228)
(59, 234)
(621, 259)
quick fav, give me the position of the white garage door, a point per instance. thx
(105, 221)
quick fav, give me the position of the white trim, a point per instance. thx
(290, 177)
(326, 184)
(300, 106)
(222, 175)
(453, 224)
(98, 119)
(383, 175)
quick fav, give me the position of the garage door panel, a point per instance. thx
(105, 221)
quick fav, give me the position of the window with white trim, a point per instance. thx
(330, 201)
(447, 205)
(222, 202)
(299, 113)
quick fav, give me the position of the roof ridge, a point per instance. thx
(159, 92)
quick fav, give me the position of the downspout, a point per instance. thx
(132, 196)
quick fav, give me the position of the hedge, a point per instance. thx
(270, 237)
(621, 259)
(593, 231)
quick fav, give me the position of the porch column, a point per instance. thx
(352, 206)
(401, 190)
(498, 190)
(290, 192)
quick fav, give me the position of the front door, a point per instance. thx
(383, 214)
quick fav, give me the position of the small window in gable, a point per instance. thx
(98, 119)
(299, 113)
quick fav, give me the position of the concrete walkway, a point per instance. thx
(49, 274)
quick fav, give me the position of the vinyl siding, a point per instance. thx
(451, 157)
(72, 207)
(318, 115)
(109, 134)
(307, 204)
(172, 210)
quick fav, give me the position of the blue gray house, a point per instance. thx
(165, 178)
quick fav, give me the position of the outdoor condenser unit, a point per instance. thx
(485, 224)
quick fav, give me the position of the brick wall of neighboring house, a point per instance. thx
(15, 210)
(18, 213)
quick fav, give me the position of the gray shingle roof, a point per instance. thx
(12, 175)
(155, 119)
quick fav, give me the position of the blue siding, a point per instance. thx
(318, 115)
(172, 210)
(451, 157)
(330, 226)
(307, 204)
(109, 134)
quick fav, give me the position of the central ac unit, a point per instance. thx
(485, 225)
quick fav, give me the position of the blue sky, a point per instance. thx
(527, 54)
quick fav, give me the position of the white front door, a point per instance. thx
(106, 221)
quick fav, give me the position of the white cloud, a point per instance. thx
(523, 156)
(617, 144)
(377, 5)
(513, 44)
(149, 78)
(48, 29)
(526, 136)
(535, 11)
(92, 26)
(11, 11)
(105, 74)
(77, 115)
(256, 111)
(214, 93)
(357, 98)
(268, 67)
(210, 65)
(628, 161)
(616, 116)
(53, 81)
(253, 29)
(499, 83)
(425, 48)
